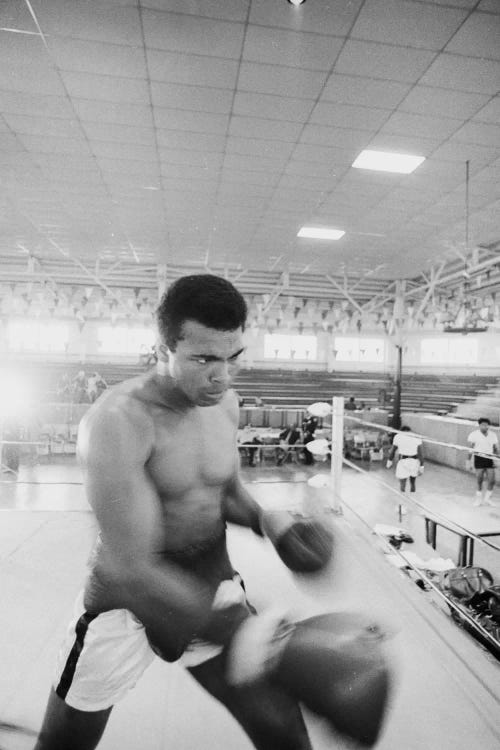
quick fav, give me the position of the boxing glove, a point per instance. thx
(304, 544)
(388, 464)
(335, 664)
(421, 469)
(216, 624)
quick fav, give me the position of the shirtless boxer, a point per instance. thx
(160, 470)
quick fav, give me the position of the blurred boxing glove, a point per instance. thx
(388, 464)
(335, 664)
(421, 469)
(216, 623)
(469, 465)
(304, 544)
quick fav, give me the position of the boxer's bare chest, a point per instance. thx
(192, 460)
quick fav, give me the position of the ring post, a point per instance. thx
(337, 451)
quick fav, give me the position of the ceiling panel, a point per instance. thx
(295, 50)
(479, 31)
(383, 61)
(190, 34)
(412, 24)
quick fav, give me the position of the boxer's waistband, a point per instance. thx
(408, 457)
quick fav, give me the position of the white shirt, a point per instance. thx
(406, 444)
(482, 442)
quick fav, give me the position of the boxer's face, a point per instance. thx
(205, 362)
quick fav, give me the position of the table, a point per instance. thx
(471, 525)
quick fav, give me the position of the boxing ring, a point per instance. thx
(447, 687)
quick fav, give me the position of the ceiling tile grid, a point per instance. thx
(235, 122)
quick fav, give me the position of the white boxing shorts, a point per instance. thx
(103, 655)
(407, 467)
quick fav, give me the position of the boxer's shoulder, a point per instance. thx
(123, 417)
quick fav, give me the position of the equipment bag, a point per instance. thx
(463, 583)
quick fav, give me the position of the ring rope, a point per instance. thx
(385, 428)
(431, 513)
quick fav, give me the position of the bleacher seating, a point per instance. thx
(298, 388)
(441, 394)
(295, 389)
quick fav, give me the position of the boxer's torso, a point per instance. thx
(191, 458)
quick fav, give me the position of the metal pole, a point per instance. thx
(396, 412)
(337, 451)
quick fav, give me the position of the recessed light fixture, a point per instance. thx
(296, 2)
(387, 161)
(321, 233)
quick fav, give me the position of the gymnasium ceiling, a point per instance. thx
(202, 134)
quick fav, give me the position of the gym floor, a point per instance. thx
(447, 689)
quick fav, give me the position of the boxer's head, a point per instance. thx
(201, 319)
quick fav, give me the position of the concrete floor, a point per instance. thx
(447, 693)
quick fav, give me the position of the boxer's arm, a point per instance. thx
(239, 507)
(114, 446)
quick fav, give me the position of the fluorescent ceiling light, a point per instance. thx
(386, 161)
(319, 233)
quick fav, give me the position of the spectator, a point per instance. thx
(95, 386)
(289, 436)
(149, 356)
(79, 388)
(309, 426)
(351, 404)
(258, 401)
(249, 437)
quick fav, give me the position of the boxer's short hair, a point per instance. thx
(482, 420)
(205, 298)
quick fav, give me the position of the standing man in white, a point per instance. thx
(410, 462)
(485, 441)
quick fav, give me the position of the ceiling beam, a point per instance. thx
(344, 292)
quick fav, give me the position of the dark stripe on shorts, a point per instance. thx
(70, 667)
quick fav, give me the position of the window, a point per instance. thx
(449, 351)
(359, 350)
(125, 339)
(37, 336)
(280, 346)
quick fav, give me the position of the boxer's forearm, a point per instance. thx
(157, 591)
(241, 508)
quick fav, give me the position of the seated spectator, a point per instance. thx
(95, 386)
(248, 437)
(351, 404)
(258, 401)
(309, 426)
(289, 436)
(241, 401)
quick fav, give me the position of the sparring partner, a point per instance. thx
(486, 441)
(160, 469)
(410, 458)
